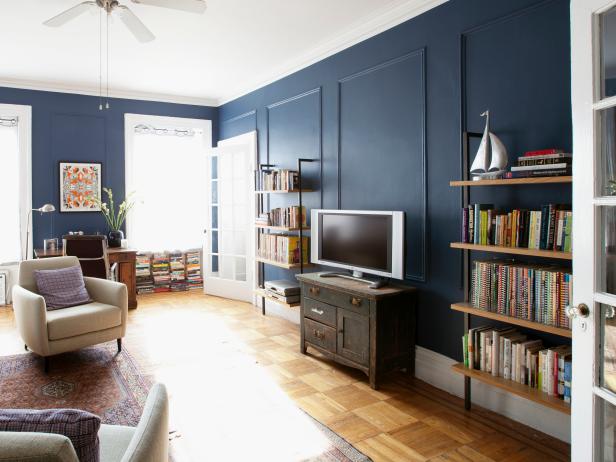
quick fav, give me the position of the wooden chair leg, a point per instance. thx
(119, 345)
(46, 367)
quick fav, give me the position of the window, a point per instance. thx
(166, 169)
(15, 174)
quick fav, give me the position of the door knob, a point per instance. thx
(580, 311)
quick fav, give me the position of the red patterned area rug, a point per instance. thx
(97, 379)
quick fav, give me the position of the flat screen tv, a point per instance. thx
(363, 241)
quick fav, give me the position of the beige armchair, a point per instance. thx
(49, 333)
(148, 442)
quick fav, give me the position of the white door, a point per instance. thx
(229, 243)
(593, 413)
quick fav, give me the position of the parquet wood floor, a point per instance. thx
(236, 380)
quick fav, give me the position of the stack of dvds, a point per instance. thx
(145, 282)
(160, 271)
(178, 271)
(194, 278)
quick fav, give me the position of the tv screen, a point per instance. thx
(360, 240)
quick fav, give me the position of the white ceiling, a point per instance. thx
(235, 47)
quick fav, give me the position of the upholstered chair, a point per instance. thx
(49, 333)
(148, 442)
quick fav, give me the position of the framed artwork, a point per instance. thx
(80, 183)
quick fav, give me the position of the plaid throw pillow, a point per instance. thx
(80, 427)
(62, 288)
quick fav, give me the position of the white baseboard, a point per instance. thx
(435, 369)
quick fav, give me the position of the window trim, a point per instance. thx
(131, 120)
(24, 134)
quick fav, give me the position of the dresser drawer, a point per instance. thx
(351, 302)
(320, 335)
(319, 311)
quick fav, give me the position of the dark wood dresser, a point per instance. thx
(372, 330)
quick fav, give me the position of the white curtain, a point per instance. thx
(10, 232)
(168, 177)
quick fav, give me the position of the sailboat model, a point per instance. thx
(491, 158)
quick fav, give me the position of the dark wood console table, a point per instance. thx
(372, 330)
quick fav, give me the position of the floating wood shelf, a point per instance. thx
(513, 250)
(514, 181)
(470, 309)
(281, 191)
(516, 388)
(282, 265)
(262, 293)
(280, 228)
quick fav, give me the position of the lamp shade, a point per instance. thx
(46, 208)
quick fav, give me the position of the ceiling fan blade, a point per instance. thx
(134, 24)
(192, 6)
(70, 14)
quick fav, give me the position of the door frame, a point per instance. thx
(586, 100)
(249, 139)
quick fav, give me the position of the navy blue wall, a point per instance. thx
(70, 127)
(385, 119)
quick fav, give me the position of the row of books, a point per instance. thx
(279, 180)
(194, 277)
(532, 292)
(168, 271)
(505, 352)
(545, 162)
(546, 229)
(288, 217)
(282, 248)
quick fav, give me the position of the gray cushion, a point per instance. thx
(80, 427)
(82, 319)
(114, 441)
(62, 287)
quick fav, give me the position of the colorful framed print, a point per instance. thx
(80, 184)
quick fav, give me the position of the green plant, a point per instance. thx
(115, 218)
(611, 187)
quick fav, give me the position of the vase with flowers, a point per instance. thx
(115, 216)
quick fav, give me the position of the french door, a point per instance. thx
(593, 412)
(229, 243)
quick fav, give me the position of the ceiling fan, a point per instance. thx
(130, 20)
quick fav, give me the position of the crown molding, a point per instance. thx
(122, 94)
(381, 21)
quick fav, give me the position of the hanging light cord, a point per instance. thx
(100, 60)
(107, 102)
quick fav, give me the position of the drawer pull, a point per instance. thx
(318, 334)
(319, 312)
(315, 290)
(355, 301)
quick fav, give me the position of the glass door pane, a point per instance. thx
(607, 24)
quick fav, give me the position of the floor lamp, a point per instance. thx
(44, 209)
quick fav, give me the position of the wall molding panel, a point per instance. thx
(414, 134)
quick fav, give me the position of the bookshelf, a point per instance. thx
(512, 250)
(515, 388)
(514, 181)
(469, 310)
(261, 193)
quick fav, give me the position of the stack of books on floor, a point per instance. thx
(177, 272)
(160, 271)
(145, 282)
(279, 180)
(288, 217)
(548, 228)
(532, 292)
(194, 278)
(545, 162)
(282, 248)
(505, 352)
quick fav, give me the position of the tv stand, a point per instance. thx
(356, 276)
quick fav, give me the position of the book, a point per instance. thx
(541, 152)
(525, 168)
